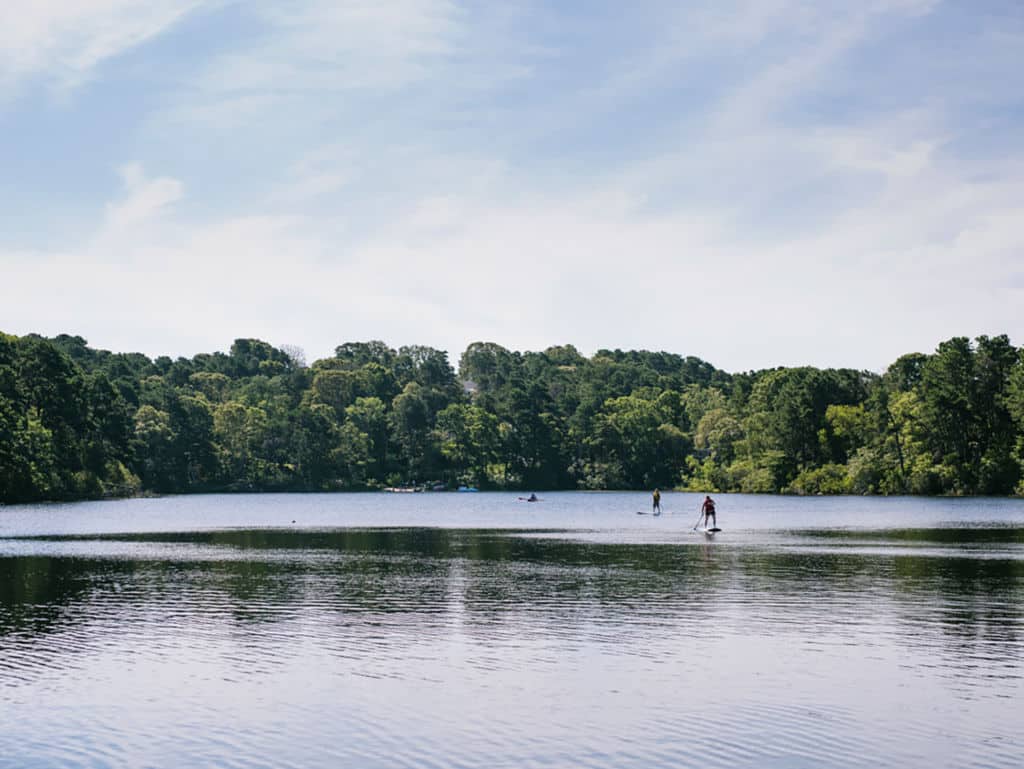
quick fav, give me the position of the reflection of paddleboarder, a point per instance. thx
(708, 511)
(656, 502)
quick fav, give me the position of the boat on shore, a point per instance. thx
(413, 488)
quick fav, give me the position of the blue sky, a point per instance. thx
(756, 182)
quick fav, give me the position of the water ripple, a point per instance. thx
(424, 648)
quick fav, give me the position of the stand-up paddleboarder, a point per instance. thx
(708, 511)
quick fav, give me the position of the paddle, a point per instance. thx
(698, 519)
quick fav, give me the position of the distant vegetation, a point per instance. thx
(79, 423)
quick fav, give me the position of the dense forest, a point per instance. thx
(82, 423)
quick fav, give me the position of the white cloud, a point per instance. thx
(144, 200)
(750, 229)
(316, 174)
(595, 269)
(65, 40)
(317, 50)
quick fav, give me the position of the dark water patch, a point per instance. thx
(950, 534)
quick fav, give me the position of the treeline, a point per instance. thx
(78, 423)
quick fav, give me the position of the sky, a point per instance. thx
(754, 182)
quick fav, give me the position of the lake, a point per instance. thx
(475, 630)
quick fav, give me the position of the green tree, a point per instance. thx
(314, 440)
(369, 416)
(195, 456)
(787, 425)
(637, 437)
(718, 433)
(948, 391)
(470, 440)
(240, 431)
(411, 423)
(155, 447)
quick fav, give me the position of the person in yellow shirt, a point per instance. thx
(656, 505)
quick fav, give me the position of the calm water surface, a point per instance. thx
(474, 630)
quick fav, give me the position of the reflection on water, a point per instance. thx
(412, 646)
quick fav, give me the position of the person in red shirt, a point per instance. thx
(708, 510)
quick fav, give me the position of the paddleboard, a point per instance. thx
(644, 512)
(713, 530)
